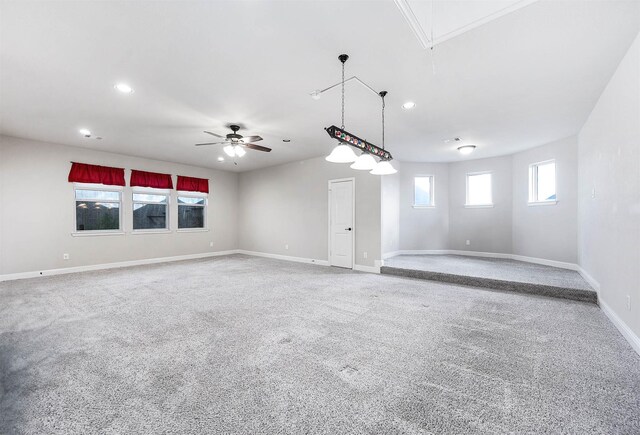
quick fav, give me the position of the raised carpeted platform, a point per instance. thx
(493, 273)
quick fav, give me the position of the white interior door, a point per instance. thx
(341, 228)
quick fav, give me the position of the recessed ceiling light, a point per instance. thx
(85, 132)
(316, 94)
(221, 159)
(286, 140)
(409, 105)
(466, 149)
(124, 88)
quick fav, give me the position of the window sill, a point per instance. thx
(96, 233)
(424, 206)
(478, 206)
(536, 203)
(192, 230)
(139, 232)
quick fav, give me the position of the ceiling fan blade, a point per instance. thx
(257, 147)
(247, 139)
(208, 143)
(213, 134)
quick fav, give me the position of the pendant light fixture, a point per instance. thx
(343, 153)
(365, 162)
(383, 167)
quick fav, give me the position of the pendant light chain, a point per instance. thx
(343, 95)
(383, 122)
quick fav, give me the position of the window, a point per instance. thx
(479, 190)
(97, 209)
(150, 210)
(423, 191)
(191, 211)
(542, 182)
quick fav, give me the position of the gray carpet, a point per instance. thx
(495, 273)
(256, 346)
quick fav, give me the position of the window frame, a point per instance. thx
(151, 191)
(432, 191)
(104, 188)
(466, 203)
(205, 206)
(533, 183)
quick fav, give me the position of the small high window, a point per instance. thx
(542, 182)
(479, 190)
(97, 208)
(191, 211)
(150, 210)
(423, 191)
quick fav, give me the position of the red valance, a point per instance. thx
(192, 184)
(83, 173)
(150, 179)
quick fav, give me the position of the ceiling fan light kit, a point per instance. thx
(343, 153)
(236, 144)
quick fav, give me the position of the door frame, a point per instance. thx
(353, 216)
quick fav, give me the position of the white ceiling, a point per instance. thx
(520, 80)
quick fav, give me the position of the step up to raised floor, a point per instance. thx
(492, 273)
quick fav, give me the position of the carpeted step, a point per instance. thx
(497, 284)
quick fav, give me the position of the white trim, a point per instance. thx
(543, 261)
(353, 218)
(423, 206)
(284, 257)
(626, 332)
(478, 206)
(368, 269)
(192, 230)
(66, 270)
(150, 231)
(390, 254)
(592, 282)
(97, 233)
(535, 203)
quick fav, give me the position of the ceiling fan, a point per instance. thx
(236, 142)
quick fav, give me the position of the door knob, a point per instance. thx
(348, 229)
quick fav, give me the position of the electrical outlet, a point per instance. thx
(628, 303)
(211, 244)
(65, 256)
(364, 254)
(286, 247)
(468, 242)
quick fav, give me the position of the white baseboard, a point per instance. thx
(626, 332)
(369, 269)
(390, 254)
(284, 257)
(77, 269)
(592, 282)
(534, 260)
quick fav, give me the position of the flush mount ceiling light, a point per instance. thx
(316, 94)
(343, 153)
(124, 88)
(221, 159)
(286, 140)
(409, 105)
(466, 149)
(85, 132)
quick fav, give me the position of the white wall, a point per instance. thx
(424, 228)
(288, 205)
(37, 211)
(547, 231)
(609, 166)
(390, 211)
(488, 229)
